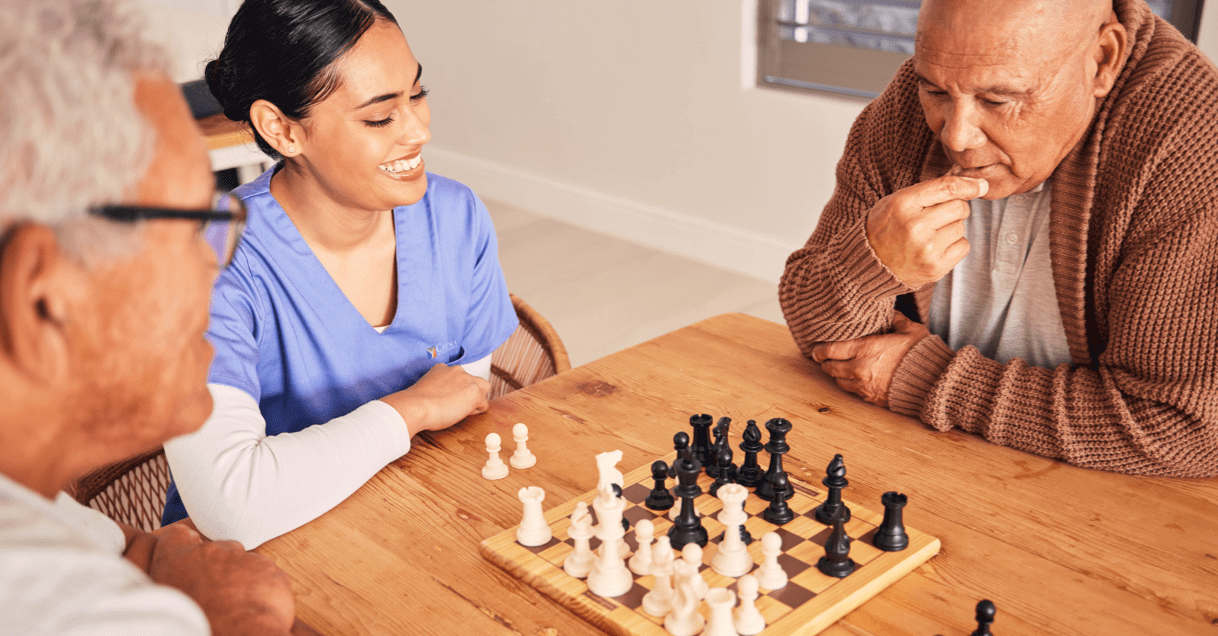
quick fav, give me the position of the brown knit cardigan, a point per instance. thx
(1134, 250)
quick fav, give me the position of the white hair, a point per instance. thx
(71, 136)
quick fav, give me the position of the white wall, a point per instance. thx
(632, 117)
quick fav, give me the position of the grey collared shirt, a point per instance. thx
(1001, 298)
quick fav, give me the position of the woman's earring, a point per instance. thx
(291, 150)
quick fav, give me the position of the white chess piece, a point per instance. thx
(609, 576)
(606, 466)
(658, 602)
(640, 563)
(523, 457)
(720, 601)
(684, 620)
(732, 558)
(692, 554)
(770, 575)
(494, 468)
(533, 530)
(579, 563)
(749, 620)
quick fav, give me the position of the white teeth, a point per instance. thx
(401, 165)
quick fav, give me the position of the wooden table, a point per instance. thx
(1060, 550)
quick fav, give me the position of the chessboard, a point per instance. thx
(810, 602)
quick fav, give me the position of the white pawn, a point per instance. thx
(749, 620)
(494, 468)
(770, 575)
(579, 563)
(692, 554)
(523, 457)
(721, 601)
(640, 563)
(533, 530)
(684, 620)
(658, 602)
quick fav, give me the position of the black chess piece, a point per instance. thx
(778, 511)
(680, 443)
(837, 561)
(835, 480)
(749, 473)
(720, 432)
(659, 498)
(687, 528)
(985, 618)
(890, 536)
(701, 446)
(776, 447)
(726, 470)
(617, 492)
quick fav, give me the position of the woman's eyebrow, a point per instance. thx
(389, 96)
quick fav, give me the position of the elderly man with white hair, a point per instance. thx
(1037, 192)
(104, 286)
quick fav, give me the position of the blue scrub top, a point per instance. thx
(287, 335)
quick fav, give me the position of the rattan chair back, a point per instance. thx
(533, 353)
(132, 491)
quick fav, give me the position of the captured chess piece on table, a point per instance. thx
(494, 468)
(985, 617)
(533, 530)
(523, 457)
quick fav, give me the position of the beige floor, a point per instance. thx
(603, 294)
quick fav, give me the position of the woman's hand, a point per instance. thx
(442, 397)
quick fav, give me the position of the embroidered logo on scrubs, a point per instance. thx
(441, 348)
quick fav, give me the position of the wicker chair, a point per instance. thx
(133, 491)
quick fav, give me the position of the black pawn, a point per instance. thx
(778, 511)
(890, 535)
(749, 474)
(659, 498)
(837, 561)
(617, 492)
(687, 528)
(701, 446)
(776, 447)
(834, 480)
(725, 472)
(720, 432)
(985, 617)
(680, 443)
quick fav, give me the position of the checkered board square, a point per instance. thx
(810, 601)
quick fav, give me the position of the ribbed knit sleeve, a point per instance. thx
(835, 287)
(1134, 234)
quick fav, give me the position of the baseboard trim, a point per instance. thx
(674, 232)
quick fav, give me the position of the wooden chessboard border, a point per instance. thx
(812, 616)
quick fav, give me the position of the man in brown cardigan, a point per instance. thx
(1076, 144)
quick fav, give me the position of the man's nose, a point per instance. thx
(961, 131)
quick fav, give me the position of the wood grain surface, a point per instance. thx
(1059, 549)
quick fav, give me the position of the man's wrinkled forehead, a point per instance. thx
(981, 32)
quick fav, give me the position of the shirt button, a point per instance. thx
(1012, 238)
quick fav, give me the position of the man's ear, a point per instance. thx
(35, 297)
(1111, 50)
(277, 129)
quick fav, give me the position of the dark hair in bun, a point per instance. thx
(282, 51)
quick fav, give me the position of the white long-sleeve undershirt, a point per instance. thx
(239, 484)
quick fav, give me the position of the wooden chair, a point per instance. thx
(133, 491)
(533, 353)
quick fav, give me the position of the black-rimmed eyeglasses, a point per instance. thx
(221, 225)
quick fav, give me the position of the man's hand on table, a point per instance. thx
(918, 232)
(865, 366)
(442, 397)
(240, 592)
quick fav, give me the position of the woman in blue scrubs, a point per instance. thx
(365, 298)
